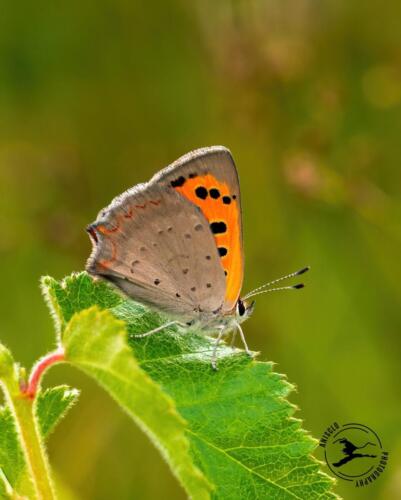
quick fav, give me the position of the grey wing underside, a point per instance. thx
(157, 247)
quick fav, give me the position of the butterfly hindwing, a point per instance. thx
(208, 178)
(158, 248)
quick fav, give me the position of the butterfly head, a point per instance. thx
(244, 309)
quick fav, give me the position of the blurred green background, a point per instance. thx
(97, 96)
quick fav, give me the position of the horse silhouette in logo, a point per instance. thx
(349, 450)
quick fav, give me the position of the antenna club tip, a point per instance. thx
(299, 286)
(303, 270)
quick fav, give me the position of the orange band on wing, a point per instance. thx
(221, 209)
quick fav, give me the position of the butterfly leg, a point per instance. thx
(243, 339)
(155, 330)
(234, 335)
(216, 345)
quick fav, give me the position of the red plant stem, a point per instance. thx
(37, 371)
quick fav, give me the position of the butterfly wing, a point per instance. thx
(157, 247)
(208, 178)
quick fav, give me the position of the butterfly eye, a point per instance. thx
(240, 308)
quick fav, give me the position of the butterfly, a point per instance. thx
(175, 244)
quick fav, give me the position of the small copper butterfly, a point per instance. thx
(175, 244)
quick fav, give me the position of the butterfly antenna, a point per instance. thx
(278, 289)
(262, 288)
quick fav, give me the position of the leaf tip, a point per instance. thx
(6, 362)
(48, 287)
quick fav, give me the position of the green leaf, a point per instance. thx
(6, 489)
(241, 427)
(52, 405)
(239, 424)
(75, 293)
(13, 470)
(6, 363)
(12, 461)
(96, 342)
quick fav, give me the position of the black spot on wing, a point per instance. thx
(218, 227)
(226, 200)
(180, 181)
(214, 193)
(201, 192)
(222, 251)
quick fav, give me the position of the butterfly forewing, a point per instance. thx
(208, 178)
